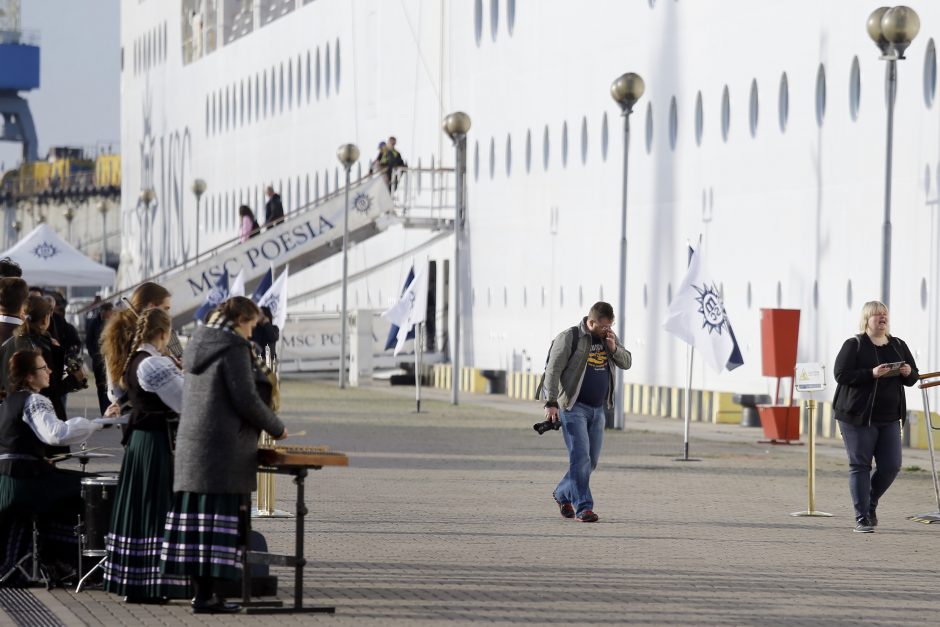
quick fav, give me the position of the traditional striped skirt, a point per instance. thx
(144, 496)
(203, 535)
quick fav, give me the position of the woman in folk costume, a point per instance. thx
(154, 385)
(223, 415)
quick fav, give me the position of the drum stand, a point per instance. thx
(934, 516)
(37, 573)
(80, 532)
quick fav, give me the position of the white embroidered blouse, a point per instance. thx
(39, 414)
(159, 375)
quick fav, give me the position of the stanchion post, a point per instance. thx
(811, 463)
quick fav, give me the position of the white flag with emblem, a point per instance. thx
(412, 308)
(697, 316)
(275, 299)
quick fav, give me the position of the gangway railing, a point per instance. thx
(927, 381)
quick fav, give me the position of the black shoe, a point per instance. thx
(215, 605)
(863, 525)
(872, 518)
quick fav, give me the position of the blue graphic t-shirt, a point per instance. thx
(596, 381)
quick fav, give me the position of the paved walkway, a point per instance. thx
(447, 516)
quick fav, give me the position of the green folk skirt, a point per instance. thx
(204, 535)
(144, 496)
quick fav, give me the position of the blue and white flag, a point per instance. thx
(266, 282)
(697, 316)
(217, 295)
(275, 299)
(237, 286)
(392, 340)
(412, 308)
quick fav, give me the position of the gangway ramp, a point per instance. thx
(312, 234)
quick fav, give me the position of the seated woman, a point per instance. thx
(216, 454)
(29, 484)
(154, 384)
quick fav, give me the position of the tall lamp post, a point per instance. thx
(457, 125)
(199, 188)
(892, 30)
(69, 215)
(103, 210)
(347, 154)
(625, 91)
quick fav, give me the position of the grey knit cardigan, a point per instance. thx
(222, 417)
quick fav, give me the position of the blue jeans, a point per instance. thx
(582, 427)
(881, 441)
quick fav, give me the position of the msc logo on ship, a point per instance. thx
(45, 251)
(362, 202)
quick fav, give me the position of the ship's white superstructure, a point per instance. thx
(762, 130)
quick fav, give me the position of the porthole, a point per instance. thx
(604, 137)
(673, 123)
(510, 16)
(725, 113)
(783, 103)
(564, 144)
(584, 140)
(855, 88)
(336, 61)
(528, 150)
(478, 21)
(848, 294)
(508, 155)
(699, 119)
(930, 73)
(649, 127)
(754, 109)
(923, 294)
(476, 161)
(820, 94)
(545, 148)
(492, 158)
(494, 19)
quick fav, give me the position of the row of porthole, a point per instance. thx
(236, 105)
(221, 209)
(783, 112)
(150, 49)
(749, 297)
(494, 19)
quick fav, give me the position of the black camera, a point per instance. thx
(548, 425)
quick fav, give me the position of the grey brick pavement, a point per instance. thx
(447, 516)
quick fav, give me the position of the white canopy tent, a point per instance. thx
(47, 259)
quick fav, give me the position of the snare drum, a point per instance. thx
(98, 493)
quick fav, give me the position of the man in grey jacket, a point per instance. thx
(578, 388)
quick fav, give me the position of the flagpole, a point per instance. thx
(419, 336)
(688, 412)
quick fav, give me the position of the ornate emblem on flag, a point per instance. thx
(45, 251)
(362, 202)
(712, 309)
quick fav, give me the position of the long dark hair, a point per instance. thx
(37, 310)
(21, 365)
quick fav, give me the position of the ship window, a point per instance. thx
(326, 183)
(923, 293)
(489, 297)
(528, 150)
(525, 297)
(930, 73)
(307, 77)
(478, 21)
(580, 296)
(336, 55)
(699, 119)
(510, 15)
(359, 169)
(564, 144)
(300, 80)
(545, 148)
(783, 102)
(290, 85)
(848, 294)
(543, 296)
(816, 294)
(241, 103)
(476, 161)
(207, 115)
(561, 295)
(228, 106)
(326, 70)
(604, 137)
(855, 88)
(725, 113)
(508, 155)
(779, 294)
(584, 140)
(754, 109)
(749, 297)
(669, 293)
(273, 91)
(317, 74)
(492, 157)
(336, 177)
(820, 94)
(645, 296)
(494, 18)
(264, 93)
(280, 89)
(248, 102)
(649, 127)
(316, 186)
(673, 123)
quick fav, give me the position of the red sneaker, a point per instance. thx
(587, 516)
(566, 509)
